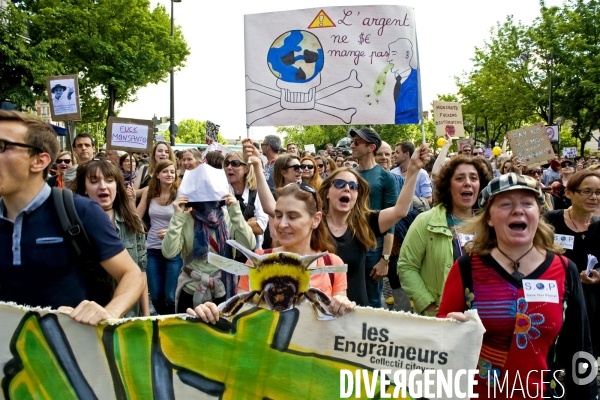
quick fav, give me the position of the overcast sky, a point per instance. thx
(211, 85)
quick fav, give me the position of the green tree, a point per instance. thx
(23, 65)
(194, 131)
(116, 46)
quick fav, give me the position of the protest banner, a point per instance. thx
(130, 135)
(531, 144)
(63, 96)
(448, 118)
(259, 354)
(331, 66)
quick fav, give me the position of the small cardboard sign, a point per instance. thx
(63, 96)
(310, 147)
(569, 152)
(531, 144)
(130, 135)
(463, 142)
(448, 119)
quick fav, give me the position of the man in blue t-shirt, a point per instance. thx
(383, 195)
(38, 266)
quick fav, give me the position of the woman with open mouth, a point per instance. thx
(103, 182)
(432, 242)
(345, 196)
(63, 162)
(580, 228)
(529, 298)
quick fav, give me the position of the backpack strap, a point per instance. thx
(464, 265)
(70, 223)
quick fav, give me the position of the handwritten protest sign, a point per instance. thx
(569, 152)
(531, 144)
(259, 354)
(130, 135)
(63, 96)
(332, 66)
(448, 118)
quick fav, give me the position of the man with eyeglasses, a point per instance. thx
(38, 266)
(270, 148)
(404, 151)
(477, 151)
(466, 150)
(383, 195)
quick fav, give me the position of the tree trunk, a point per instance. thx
(112, 98)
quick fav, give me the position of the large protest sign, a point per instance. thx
(260, 354)
(130, 135)
(531, 144)
(448, 119)
(332, 66)
(63, 95)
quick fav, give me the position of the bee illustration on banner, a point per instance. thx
(278, 281)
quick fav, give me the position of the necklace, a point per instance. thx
(575, 225)
(515, 263)
(335, 229)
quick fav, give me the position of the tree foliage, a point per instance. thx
(23, 65)
(194, 131)
(116, 46)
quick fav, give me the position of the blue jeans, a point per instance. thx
(162, 276)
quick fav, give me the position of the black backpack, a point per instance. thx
(100, 284)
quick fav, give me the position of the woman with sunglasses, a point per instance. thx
(321, 166)
(63, 162)
(309, 172)
(579, 234)
(242, 180)
(286, 170)
(298, 221)
(345, 196)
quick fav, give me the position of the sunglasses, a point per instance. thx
(320, 165)
(311, 190)
(353, 165)
(340, 184)
(233, 163)
(534, 172)
(567, 165)
(358, 142)
(477, 153)
(467, 150)
(307, 166)
(296, 167)
(62, 160)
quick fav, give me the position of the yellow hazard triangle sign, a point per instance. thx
(322, 20)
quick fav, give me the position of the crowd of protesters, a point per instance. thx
(449, 234)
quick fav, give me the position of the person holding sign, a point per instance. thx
(528, 297)
(576, 231)
(432, 242)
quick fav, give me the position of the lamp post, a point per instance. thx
(172, 113)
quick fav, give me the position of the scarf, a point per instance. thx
(207, 216)
(129, 176)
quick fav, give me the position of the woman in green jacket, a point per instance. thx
(432, 242)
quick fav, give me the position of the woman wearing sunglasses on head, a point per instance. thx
(299, 224)
(63, 162)
(579, 234)
(242, 180)
(310, 176)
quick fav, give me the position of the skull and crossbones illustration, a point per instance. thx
(296, 59)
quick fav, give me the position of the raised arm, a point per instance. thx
(389, 216)
(264, 193)
(441, 159)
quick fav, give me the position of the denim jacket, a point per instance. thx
(135, 242)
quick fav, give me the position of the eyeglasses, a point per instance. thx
(320, 165)
(340, 184)
(567, 165)
(307, 166)
(534, 172)
(358, 142)
(5, 143)
(352, 165)
(62, 160)
(587, 192)
(478, 153)
(467, 150)
(295, 166)
(233, 163)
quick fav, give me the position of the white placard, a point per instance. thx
(130, 135)
(204, 183)
(310, 147)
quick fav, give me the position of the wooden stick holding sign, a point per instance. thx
(130, 135)
(531, 144)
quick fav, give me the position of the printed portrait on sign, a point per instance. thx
(63, 96)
